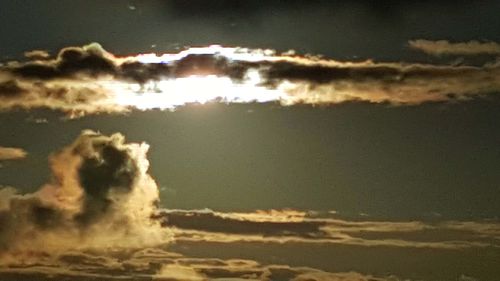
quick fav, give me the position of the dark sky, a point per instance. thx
(338, 29)
(410, 161)
(361, 185)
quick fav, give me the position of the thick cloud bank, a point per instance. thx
(100, 196)
(88, 79)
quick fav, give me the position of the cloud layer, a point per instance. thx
(97, 219)
(289, 226)
(159, 264)
(88, 79)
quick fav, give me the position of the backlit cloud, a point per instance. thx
(88, 79)
(100, 196)
(12, 153)
(290, 226)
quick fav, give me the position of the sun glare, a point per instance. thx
(236, 54)
(172, 93)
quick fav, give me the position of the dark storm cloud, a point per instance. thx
(100, 194)
(78, 80)
(10, 89)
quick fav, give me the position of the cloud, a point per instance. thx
(237, 223)
(37, 55)
(347, 276)
(178, 272)
(157, 264)
(291, 226)
(100, 195)
(91, 59)
(88, 79)
(97, 219)
(12, 153)
(444, 47)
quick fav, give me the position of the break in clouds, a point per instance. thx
(88, 79)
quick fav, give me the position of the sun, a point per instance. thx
(172, 93)
(198, 88)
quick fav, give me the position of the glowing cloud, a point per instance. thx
(101, 196)
(88, 79)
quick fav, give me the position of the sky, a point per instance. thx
(313, 140)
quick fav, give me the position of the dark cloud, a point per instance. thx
(158, 264)
(91, 60)
(142, 73)
(10, 89)
(109, 169)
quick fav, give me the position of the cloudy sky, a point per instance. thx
(250, 140)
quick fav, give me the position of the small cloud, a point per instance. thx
(12, 153)
(37, 55)
(444, 47)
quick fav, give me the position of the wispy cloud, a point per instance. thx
(444, 47)
(290, 226)
(158, 264)
(12, 153)
(88, 79)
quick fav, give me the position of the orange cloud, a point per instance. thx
(12, 153)
(444, 47)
